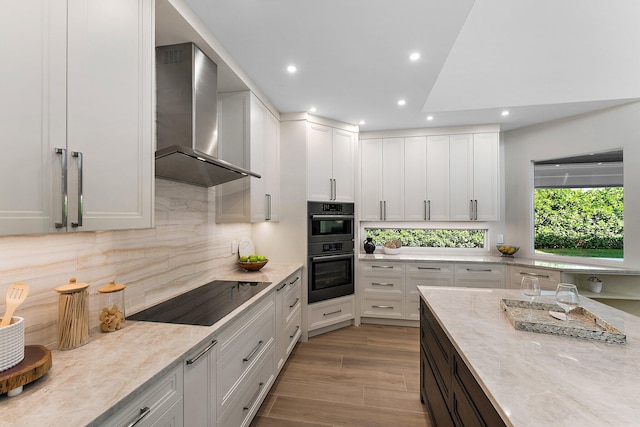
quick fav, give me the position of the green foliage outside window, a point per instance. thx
(566, 218)
(430, 238)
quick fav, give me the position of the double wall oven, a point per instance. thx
(330, 250)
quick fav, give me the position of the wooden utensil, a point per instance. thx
(16, 294)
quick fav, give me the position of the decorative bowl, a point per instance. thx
(253, 266)
(507, 250)
(391, 251)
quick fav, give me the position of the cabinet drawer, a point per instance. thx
(382, 268)
(429, 269)
(293, 330)
(174, 417)
(390, 284)
(243, 349)
(383, 306)
(480, 275)
(155, 401)
(412, 308)
(413, 282)
(330, 312)
(292, 298)
(240, 409)
(548, 279)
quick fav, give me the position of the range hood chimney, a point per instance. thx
(187, 118)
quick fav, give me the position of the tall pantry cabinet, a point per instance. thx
(77, 110)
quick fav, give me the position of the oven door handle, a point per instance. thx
(333, 217)
(331, 257)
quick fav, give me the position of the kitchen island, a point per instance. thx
(90, 384)
(534, 379)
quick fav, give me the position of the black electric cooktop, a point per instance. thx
(204, 305)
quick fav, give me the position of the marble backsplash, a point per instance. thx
(185, 249)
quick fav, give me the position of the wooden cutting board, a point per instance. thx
(37, 362)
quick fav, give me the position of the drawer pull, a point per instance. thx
(294, 333)
(294, 280)
(253, 353)
(295, 303)
(253, 398)
(381, 284)
(281, 287)
(430, 268)
(202, 353)
(382, 306)
(488, 270)
(526, 273)
(333, 312)
(382, 266)
(143, 413)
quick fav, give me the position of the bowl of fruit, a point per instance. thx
(252, 262)
(507, 250)
(392, 247)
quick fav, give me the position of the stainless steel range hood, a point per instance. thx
(187, 119)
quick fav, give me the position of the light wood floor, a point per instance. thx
(367, 376)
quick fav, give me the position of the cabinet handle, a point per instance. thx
(202, 353)
(79, 156)
(143, 413)
(294, 280)
(425, 210)
(479, 269)
(382, 266)
(430, 268)
(382, 306)
(471, 209)
(526, 273)
(335, 189)
(294, 333)
(381, 213)
(253, 398)
(429, 210)
(63, 161)
(281, 287)
(475, 210)
(267, 200)
(333, 312)
(385, 209)
(295, 303)
(381, 284)
(253, 353)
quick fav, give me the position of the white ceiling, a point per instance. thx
(540, 59)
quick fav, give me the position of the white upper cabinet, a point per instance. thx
(382, 179)
(330, 163)
(474, 177)
(78, 104)
(426, 184)
(248, 136)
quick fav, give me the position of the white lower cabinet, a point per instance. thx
(159, 405)
(480, 275)
(288, 317)
(200, 403)
(330, 312)
(548, 279)
(389, 289)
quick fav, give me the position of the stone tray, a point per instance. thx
(582, 323)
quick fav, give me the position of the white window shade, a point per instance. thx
(578, 175)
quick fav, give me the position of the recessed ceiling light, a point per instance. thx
(362, 122)
(429, 118)
(414, 56)
(292, 69)
(313, 109)
(504, 113)
(402, 102)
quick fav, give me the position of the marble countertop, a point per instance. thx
(89, 383)
(522, 262)
(537, 379)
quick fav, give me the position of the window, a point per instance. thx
(429, 238)
(579, 206)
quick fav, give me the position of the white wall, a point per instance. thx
(614, 128)
(186, 249)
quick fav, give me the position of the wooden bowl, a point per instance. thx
(253, 266)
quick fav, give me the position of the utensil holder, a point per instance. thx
(12, 343)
